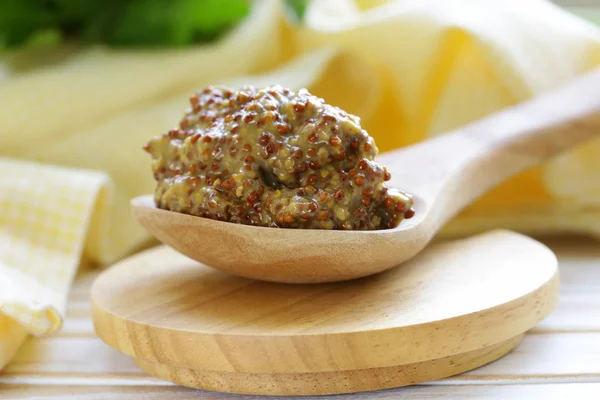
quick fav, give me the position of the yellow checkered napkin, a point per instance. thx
(45, 213)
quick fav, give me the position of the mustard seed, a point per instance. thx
(304, 164)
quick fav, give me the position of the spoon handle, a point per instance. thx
(455, 169)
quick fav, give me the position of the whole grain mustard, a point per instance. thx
(272, 157)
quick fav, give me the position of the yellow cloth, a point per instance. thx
(71, 132)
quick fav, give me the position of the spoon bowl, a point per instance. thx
(444, 174)
(284, 255)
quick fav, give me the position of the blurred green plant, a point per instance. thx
(118, 22)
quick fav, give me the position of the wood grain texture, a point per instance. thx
(191, 324)
(445, 174)
(453, 298)
(539, 358)
(579, 296)
(335, 382)
(587, 391)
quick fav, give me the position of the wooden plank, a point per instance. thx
(67, 356)
(74, 327)
(565, 356)
(571, 356)
(583, 391)
(578, 310)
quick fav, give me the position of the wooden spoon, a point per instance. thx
(444, 174)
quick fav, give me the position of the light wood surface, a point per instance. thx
(584, 391)
(558, 359)
(454, 307)
(445, 175)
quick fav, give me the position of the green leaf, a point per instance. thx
(120, 22)
(19, 19)
(176, 23)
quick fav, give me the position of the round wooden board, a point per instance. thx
(173, 314)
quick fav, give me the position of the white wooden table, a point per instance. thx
(559, 359)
